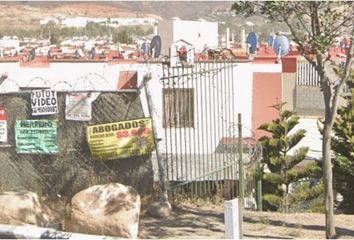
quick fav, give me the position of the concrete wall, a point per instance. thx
(165, 30)
(266, 68)
(288, 90)
(98, 76)
(312, 139)
(198, 33)
(289, 69)
(266, 92)
(309, 101)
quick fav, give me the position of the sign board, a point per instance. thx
(121, 139)
(3, 125)
(44, 102)
(78, 107)
(36, 136)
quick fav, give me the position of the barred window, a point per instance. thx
(178, 105)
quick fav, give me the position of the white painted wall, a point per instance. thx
(267, 68)
(198, 33)
(312, 139)
(12, 70)
(206, 130)
(61, 76)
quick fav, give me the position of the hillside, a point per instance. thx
(26, 14)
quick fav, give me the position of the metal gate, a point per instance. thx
(200, 151)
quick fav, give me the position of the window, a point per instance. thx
(178, 104)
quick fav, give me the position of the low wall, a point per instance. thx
(309, 101)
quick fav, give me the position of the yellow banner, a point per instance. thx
(121, 139)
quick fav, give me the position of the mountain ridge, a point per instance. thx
(26, 14)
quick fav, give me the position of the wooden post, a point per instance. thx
(162, 176)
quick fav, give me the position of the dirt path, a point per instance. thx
(190, 222)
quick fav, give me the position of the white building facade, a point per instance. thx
(200, 34)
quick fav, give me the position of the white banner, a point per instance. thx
(3, 131)
(3, 125)
(78, 106)
(44, 102)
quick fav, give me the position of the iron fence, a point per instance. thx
(308, 76)
(200, 151)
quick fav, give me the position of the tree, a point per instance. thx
(94, 29)
(139, 31)
(149, 31)
(54, 38)
(284, 168)
(314, 26)
(343, 145)
(52, 31)
(123, 35)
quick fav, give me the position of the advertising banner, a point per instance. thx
(121, 139)
(3, 125)
(44, 102)
(78, 107)
(36, 136)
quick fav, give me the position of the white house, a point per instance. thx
(10, 44)
(200, 33)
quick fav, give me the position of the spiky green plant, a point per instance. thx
(284, 168)
(343, 145)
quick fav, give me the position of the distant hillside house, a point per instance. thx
(200, 34)
(112, 22)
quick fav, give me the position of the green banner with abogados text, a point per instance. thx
(36, 136)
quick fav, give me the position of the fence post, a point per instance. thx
(240, 162)
(259, 188)
(233, 219)
(161, 169)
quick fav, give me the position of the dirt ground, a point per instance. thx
(207, 222)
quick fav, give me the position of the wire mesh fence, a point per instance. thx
(72, 168)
